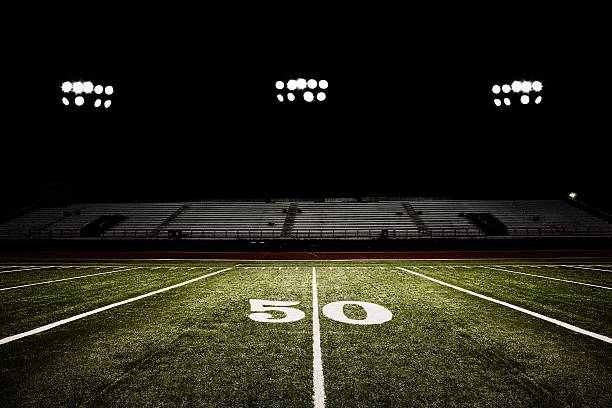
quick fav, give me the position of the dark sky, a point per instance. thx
(409, 110)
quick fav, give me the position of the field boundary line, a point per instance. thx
(317, 359)
(67, 279)
(584, 267)
(518, 308)
(547, 277)
(31, 268)
(101, 309)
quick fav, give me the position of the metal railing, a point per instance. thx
(310, 234)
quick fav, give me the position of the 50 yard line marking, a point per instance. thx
(317, 360)
(101, 309)
(520, 309)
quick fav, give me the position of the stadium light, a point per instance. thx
(280, 97)
(65, 101)
(99, 89)
(516, 86)
(524, 99)
(573, 195)
(291, 84)
(280, 85)
(109, 90)
(321, 96)
(107, 104)
(308, 96)
(79, 101)
(82, 89)
(88, 87)
(507, 101)
(536, 86)
(291, 97)
(303, 85)
(67, 87)
(300, 83)
(312, 83)
(323, 84)
(97, 103)
(538, 100)
(505, 88)
(77, 87)
(526, 86)
(497, 102)
(496, 89)
(523, 88)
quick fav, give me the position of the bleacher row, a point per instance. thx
(236, 219)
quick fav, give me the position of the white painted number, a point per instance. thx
(375, 314)
(292, 314)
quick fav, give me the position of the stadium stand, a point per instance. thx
(321, 219)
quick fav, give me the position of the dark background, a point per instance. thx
(409, 110)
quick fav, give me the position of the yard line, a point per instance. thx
(582, 267)
(101, 309)
(317, 360)
(547, 277)
(66, 279)
(520, 309)
(28, 269)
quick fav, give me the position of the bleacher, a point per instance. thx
(330, 219)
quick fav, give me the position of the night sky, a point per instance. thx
(409, 107)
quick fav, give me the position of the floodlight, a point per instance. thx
(107, 104)
(321, 96)
(536, 86)
(99, 89)
(79, 101)
(505, 88)
(291, 97)
(280, 85)
(516, 86)
(65, 101)
(97, 103)
(524, 99)
(312, 83)
(109, 90)
(572, 195)
(497, 102)
(88, 87)
(67, 86)
(538, 100)
(308, 96)
(77, 87)
(526, 86)
(506, 101)
(300, 83)
(291, 85)
(496, 89)
(323, 84)
(280, 97)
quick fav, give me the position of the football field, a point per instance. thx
(428, 333)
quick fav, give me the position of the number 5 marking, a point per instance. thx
(292, 314)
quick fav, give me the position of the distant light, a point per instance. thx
(536, 86)
(88, 87)
(321, 96)
(497, 102)
(65, 101)
(99, 89)
(97, 103)
(516, 86)
(308, 96)
(538, 100)
(496, 89)
(77, 87)
(291, 97)
(573, 195)
(109, 90)
(525, 99)
(300, 83)
(280, 85)
(323, 84)
(67, 86)
(291, 85)
(505, 88)
(312, 83)
(526, 86)
(280, 97)
(79, 101)
(107, 104)
(507, 101)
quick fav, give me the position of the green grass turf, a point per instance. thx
(195, 345)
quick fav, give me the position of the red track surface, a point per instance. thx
(305, 256)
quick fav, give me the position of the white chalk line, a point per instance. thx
(548, 277)
(101, 309)
(583, 267)
(67, 279)
(29, 269)
(317, 359)
(520, 309)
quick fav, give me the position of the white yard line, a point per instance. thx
(66, 279)
(520, 309)
(582, 267)
(547, 277)
(30, 269)
(317, 360)
(101, 309)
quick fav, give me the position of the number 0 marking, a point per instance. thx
(376, 314)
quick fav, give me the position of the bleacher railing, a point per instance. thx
(311, 233)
